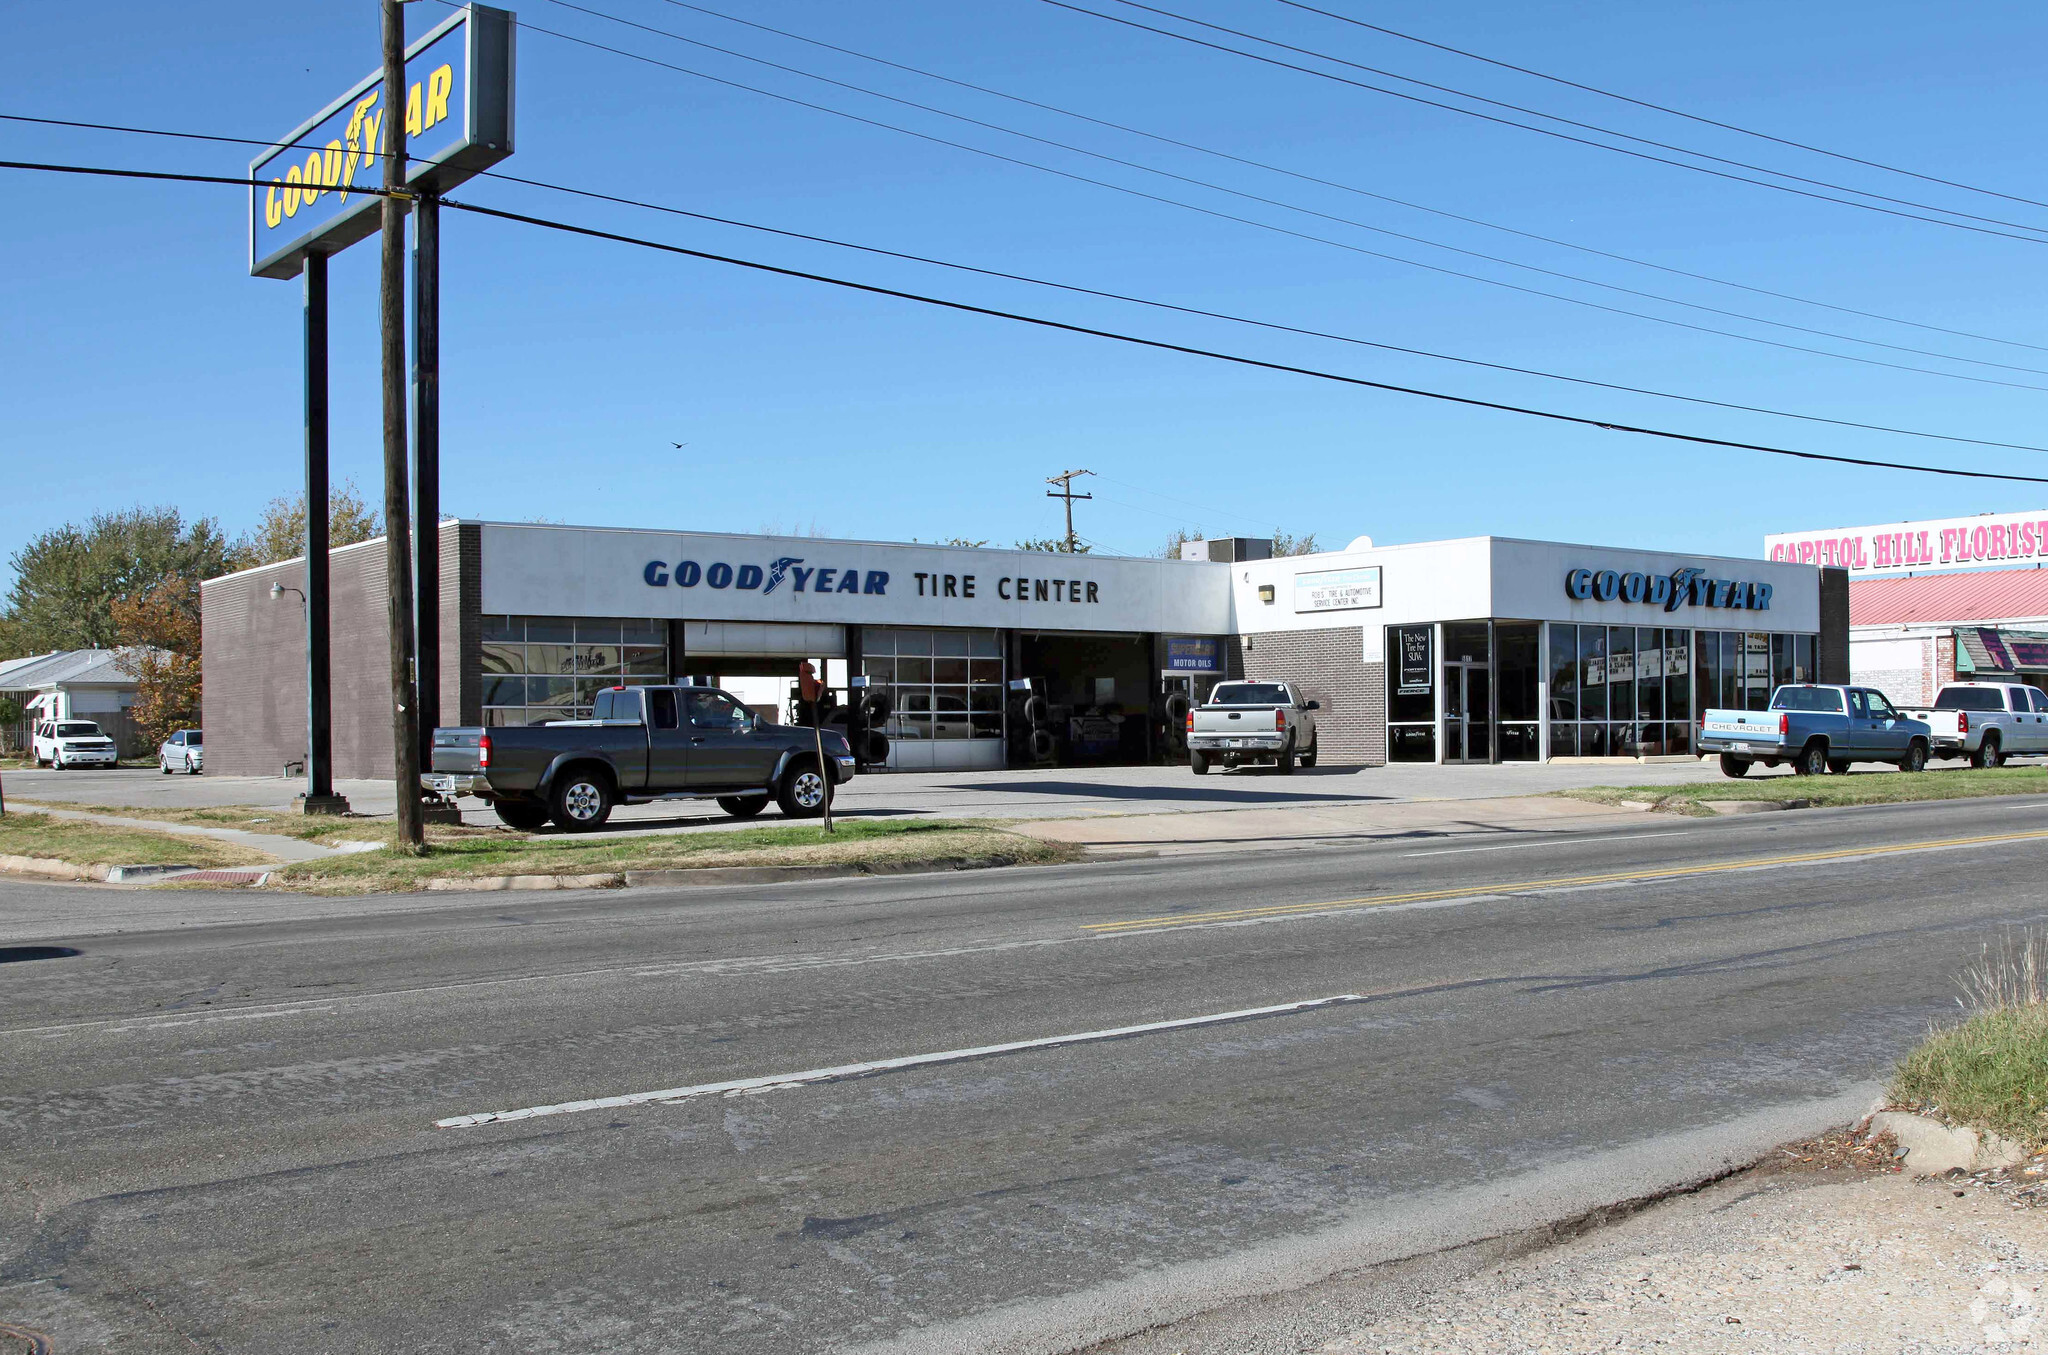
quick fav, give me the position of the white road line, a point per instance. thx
(778, 1081)
(1555, 842)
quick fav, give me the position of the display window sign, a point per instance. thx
(1688, 587)
(1190, 654)
(1337, 590)
(1416, 668)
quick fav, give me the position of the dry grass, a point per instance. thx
(24, 833)
(1856, 788)
(461, 853)
(1991, 1070)
(249, 818)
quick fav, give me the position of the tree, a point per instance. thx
(1286, 543)
(1055, 544)
(280, 534)
(159, 634)
(948, 541)
(66, 580)
(1181, 536)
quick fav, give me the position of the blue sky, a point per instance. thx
(140, 364)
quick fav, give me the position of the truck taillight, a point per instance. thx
(1703, 719)
(1962, 722)
(1784, 726)
(483, 752)
(1280, 720)
(1191, 721)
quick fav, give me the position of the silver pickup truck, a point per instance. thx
(1252, 722)
(645, 743)
(1816, 728)
(1987, 722)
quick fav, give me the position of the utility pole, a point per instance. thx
(405, 739)
(1065, 481)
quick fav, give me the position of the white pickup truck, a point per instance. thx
(1987, 722)
(1252, 722)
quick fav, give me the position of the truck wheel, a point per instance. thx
(1734, 766)
(1838, 766)
(743, 806)
(1916, 757)
(803, 791)
(1308, 759)
(582, 800)
(1198, 763)
(1988, 754)
(1813, 760)
(1285, 764)
(524, 815)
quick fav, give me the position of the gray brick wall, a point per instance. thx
(1328, 666)
(254, 655)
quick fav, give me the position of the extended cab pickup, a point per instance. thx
(1252, 722)
(1817, 729)
(644, 743)
(1987, 721)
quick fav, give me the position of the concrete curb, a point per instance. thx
(712, 875)
(50, 868)
(1932, 1148)
(47, 867)
(1754, 806)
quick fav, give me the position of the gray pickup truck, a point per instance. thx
(1252, 722)
(644, 743)
(1817, 729)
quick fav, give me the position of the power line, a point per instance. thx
(1309, 211)
(1660, 108)
(569, 228)
(1566, 136)
(1264, 225)
(1345, 187)
(1153, 303)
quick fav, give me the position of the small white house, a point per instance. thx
(76, 684)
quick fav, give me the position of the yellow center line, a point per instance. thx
(1563, 882)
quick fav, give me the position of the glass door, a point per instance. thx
(1468, 712)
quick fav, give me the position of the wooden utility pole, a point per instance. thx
(405, 738)
(1065, 481)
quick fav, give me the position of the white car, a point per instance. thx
(182, 752)
(64, 744)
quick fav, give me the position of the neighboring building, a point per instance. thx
(1924, 609)
(76, 684)
(1483, 649)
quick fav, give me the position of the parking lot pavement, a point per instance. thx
(1051, 793)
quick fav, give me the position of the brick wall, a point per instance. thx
(1327, 666)
(1832, 662)
(254, 656)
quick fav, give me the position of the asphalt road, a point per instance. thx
(224, 1137)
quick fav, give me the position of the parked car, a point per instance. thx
(1817, 728)
(64, 744)
(643, 743)
(1245, 722)
(1987, 721)
(183, 751)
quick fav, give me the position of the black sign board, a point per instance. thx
(1415, 665)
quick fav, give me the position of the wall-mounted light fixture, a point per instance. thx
(278, 590)
(1266, 593)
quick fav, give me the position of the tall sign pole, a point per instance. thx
(426, 475)
(405, 739)
(320, 796)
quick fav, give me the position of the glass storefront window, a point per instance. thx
(1411, 693)
(1802, 659)
(538, 668)
(1650, 677)
(1756, 669)
(1518, 671)
(1678, 668)
(1593, 672)
(1621, 673)
(1781, 660)
(1564, 673)
(937, 689)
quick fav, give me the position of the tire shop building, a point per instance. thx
(1953, 599)
(1475, 650)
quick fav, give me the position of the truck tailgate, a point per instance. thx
(1234, 720)
(1743, 726)
(455, 750)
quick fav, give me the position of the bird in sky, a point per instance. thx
(679, 445)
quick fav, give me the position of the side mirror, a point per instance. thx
(1313, 705)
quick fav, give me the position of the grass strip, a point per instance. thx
(1856, 788)
(326, 828)
(484, 852)
(1990, 1072)
(25, 833)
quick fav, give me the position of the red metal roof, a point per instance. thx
(1988, 596)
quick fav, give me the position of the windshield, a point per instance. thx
(1250, 694)
(1970, 698)
(1808, 698)
(83, 729)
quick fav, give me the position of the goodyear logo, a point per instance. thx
(335, 169)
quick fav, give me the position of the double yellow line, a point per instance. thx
(1559, 882)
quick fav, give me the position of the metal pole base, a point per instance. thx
(326, 804)
(441, 811)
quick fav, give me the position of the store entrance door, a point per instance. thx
(1468, 712)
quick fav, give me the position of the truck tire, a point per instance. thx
(1734, 766)
(1838, 766)
(581, 800)
(743, 806)
(525, 815)
(1916, 757)
(1036, 710)
(1198, 763)
(1812, 760)
(877, 706)
(1284, 764)
(803, 790)
(1308, 759)
(1989, 753)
